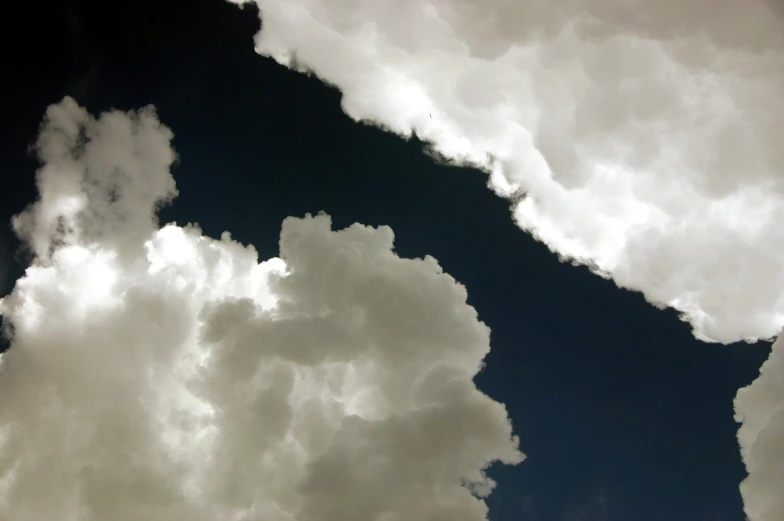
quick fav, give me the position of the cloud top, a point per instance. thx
(639, 138)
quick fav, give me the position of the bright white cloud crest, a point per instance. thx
(160, 374)
(646, 134)
(639, 137)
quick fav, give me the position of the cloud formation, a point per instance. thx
(645, 139)
(159, 374)
(638, 137)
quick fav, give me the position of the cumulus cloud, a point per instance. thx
(638, 137)
(156, 373)
(644, 135)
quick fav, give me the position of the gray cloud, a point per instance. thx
(156, 373)
(760, 408)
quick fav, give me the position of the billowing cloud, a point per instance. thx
(159, 374)
(641, 138)
(644, 135)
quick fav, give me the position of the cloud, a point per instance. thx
(156, 373)
(760, 407)
(645, 139)
(640, 138)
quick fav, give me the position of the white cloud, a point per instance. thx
(159, 374)
(645, 134)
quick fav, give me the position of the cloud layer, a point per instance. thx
(641, 138)
(159, 374)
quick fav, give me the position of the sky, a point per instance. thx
(483, 263)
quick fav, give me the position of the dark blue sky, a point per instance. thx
(623, 415)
